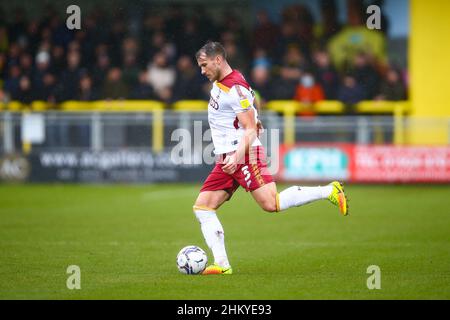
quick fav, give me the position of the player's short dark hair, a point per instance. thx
(212, 49)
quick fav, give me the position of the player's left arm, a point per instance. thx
(257, 104)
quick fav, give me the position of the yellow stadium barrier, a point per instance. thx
(284, 106)
(190, 105)
(328, 107)
(76, 106)
(128, 105)
(381, 107)
(39, 105)
(113, 106)
(15, 106)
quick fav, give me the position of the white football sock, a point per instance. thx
(214, 235)
(296, 196)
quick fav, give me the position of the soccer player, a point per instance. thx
(233, 119)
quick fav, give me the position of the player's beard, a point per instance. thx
(215, 76)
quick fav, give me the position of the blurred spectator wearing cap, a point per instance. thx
(161, 76)
(42, 67)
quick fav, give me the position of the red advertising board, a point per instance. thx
(364, 163)
(401, 164)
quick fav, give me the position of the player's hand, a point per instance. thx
(259, 128)
(230, 164)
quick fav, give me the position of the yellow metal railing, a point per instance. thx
(288, 108)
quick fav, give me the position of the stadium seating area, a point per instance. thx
(45, 66)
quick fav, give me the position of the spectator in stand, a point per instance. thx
(3, 66)
(70, 76)
(14, 54)
(42, 67)
(48, 91)
(4, 42)
(366, 75)
(58, 60)
(160, 44)
(86, 91)
(265, 33)
(192, 39)
(261, 82)
(308, 92)
(12, 83)
(26, 64)
(188, 83)
(288, 39)
(3, 96)
(326, 74)
(101, 69)
(356, 37)
(330, 25)
(114, 87)
(392, 87)
(161, 76)
(130, 69)
(350, 92)
(31, 37)
(288, 74)
(143, 90)
(235, 55)
(25, 93)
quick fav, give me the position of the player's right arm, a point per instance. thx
(248, 122)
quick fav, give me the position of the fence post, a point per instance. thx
(8, 135)
(398, 125)
(289, 125)
(363, 133)
(158, 131)
(96, 132)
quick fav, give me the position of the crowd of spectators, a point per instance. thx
(109, 58)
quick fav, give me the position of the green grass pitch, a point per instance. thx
(125, 239)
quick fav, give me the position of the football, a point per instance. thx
(191, 260)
